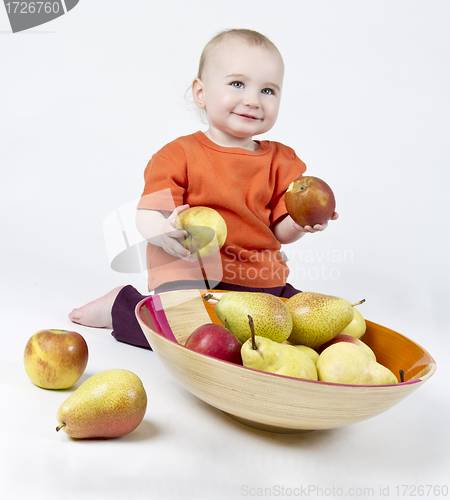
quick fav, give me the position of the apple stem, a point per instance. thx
(402, 375)
(60, 426)
(360, 302)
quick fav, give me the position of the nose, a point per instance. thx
(251, 99)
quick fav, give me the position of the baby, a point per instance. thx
(238, 87)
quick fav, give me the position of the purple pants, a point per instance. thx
(126, 327)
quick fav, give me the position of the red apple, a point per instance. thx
(216, 341)
(346, 338)
(55, 359)
(309, 201)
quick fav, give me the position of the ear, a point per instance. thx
(198, 93)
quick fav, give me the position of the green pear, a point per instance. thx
(347, 363)
(314, 355)
(270, 315)
(317, 318)
(109, 404)
(283, 359)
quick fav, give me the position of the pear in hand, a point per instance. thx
(271, 317)
(346, 363)
(109, 404)
(206, 230)
(317, 318)
(263, 354)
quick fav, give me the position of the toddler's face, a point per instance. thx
(241, 90)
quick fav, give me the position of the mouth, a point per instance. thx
(247, 117)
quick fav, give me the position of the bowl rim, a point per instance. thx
(168, 336)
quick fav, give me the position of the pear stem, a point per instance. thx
(358, 303)
(252, 328)
(402, 375)
(210, 296)
(60, 426)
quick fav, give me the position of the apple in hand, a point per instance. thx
(55, 359)
(347, 338)
(216, 341)
(310, 201)
(207, 230)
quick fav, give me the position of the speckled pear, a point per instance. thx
(109, 404)
(282, 359)
(270, 315)
(317, 318)
(345, 363)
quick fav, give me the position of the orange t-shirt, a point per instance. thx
(246, 187)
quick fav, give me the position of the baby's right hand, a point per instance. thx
(169, 235)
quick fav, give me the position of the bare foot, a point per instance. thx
(97, 313)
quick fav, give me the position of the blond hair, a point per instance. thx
(252, 38)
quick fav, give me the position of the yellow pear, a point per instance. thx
(314, 355)
(109, 404)
(340, 337)
(357, 326)
(282, 359)
(317, 318)
(270, 315)
(206, 230)
(347, 363)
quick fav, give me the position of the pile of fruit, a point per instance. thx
(109, 404)
(310, 336)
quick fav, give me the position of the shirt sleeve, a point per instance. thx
(165, 179)
(288, 168)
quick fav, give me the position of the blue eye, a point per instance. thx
(238, 85)
(267, 91)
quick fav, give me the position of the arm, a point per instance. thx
(287, 231)
(158, 229)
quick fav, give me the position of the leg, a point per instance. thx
(289, 291)
(125, 325)
(97, 313)
(285, 291)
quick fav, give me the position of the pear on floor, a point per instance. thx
(110, 404)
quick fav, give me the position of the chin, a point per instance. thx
(247, 132)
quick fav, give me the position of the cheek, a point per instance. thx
(223, 102)
(227, 98)
(271, 111)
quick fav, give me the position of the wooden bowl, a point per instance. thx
(270, 402)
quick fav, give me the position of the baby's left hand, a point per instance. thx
(315, 228)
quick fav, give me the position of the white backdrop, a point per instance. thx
(88, 98)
